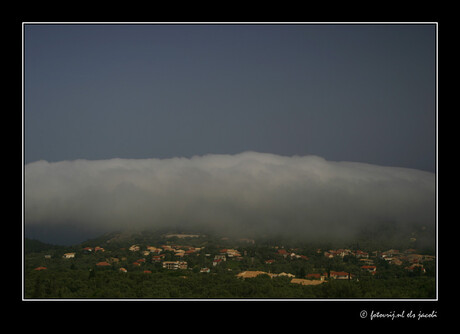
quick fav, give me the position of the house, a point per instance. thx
(269, 261)
(68, 256)
(321, 277)
(215, 262)
(157, 258)
(233, 253)
(218, 259)
(182, 265)
(102, 264)
(205, 270)
(40, 268)
(179, 252)
(153, 249)
(338, 252)
(99, 249)
(396, 261)
(175, 265)
(414, 258)
(134, 248)
(314, 276)
(415, 266)
(369, 269)
(147, 272)
(328, 255)
(230, 252)
(367, 261)
(297, 256)
(429, 257)
(281, 275)
(283, 252)
(390, 253)
(339, 275)
(87, 250)
(123, 270)
(361, 254)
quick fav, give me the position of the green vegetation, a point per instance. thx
(173, 284)
(80, 277)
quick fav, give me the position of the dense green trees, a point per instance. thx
(186, 284)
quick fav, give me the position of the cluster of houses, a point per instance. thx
(223, 254)
(311, 279)
(345, 252)
(156, 257)
(409, 256)
(91, 249)
(284, 253)
(179, 251)
(157, 254)
(392, 256)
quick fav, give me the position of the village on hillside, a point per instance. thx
(245, 261)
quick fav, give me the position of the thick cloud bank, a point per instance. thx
(244, 193)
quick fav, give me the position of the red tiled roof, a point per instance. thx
(314, 275)
(102, 264)
(40, 268)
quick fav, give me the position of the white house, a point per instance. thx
(175, 265)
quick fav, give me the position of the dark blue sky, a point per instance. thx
(363, 93)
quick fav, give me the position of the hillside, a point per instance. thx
(35, 246)
(172, 264)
